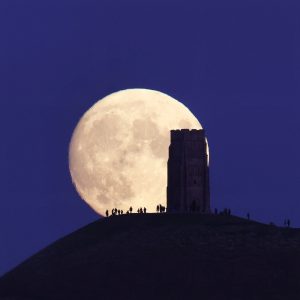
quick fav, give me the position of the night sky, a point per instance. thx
(234, 64)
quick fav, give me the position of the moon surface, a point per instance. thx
(119, 149)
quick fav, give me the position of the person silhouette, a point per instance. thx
(157, 208)
(107, 213)
(130, 209)
(193, 206)
(145, 210)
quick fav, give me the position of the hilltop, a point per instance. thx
(163, 256)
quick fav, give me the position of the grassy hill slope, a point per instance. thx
(163, 256)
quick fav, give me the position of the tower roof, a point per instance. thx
(187, 133)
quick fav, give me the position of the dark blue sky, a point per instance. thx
(235, 64)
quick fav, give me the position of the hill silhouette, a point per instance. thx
(163, 256)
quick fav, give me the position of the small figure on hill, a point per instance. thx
(248, 216)
(130, 209)
(157, 208)
(227, 212)
(121, 212)
(107, 214)
(113, 212)
(193, 206)
(145, 210)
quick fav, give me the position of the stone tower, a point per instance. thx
(188, 172)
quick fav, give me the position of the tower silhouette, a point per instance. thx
(188, 172)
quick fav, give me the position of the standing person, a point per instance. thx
(130, 209)
(145, 210)
(157, 208)
(106, 213)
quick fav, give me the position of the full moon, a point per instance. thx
(119, 149)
